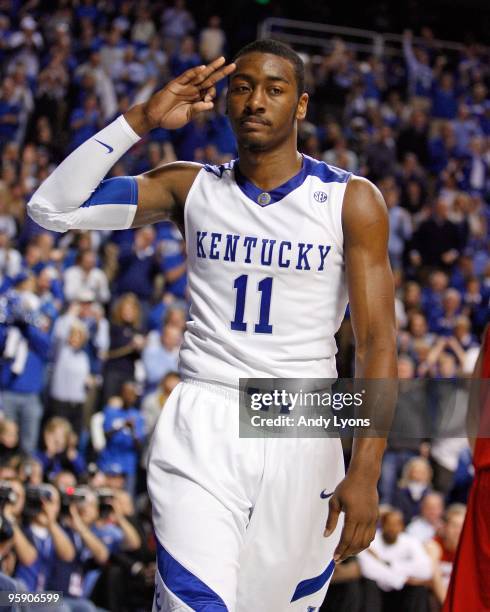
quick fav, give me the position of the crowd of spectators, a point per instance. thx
(91, 322)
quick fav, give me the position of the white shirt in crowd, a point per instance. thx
(95, 280)
(392, 564)
(70, 372)
(421, 529)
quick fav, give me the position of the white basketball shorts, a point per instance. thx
(239, 521)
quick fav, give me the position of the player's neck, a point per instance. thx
(270, 169)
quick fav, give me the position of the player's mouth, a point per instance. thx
(253, 122)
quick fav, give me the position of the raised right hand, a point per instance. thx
(190, 93)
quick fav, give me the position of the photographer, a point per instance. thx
(25, 346)
(12, 499)
(46, 536)
(90, 551)
(7, 559)
(102, 515)
(128, 578)
(112, 526)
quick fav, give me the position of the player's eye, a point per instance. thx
(275, 91)
(241, 88)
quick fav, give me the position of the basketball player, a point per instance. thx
(469, 587)
(277, 243)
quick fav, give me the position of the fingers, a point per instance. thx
(369, 534)
(189, 75)
(215, 67)
(217, 75)
(209, 69)
(357, 533)
(355, 538)
(345, 545)
(210, 94)
(333, 515)
(200, 107)
(205, 76)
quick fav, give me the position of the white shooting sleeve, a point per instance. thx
(73, 196)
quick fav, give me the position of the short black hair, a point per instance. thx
(276, 47)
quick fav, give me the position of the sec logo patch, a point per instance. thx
(320, 196)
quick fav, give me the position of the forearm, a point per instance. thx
(62, 544)
(138, 119)
(174, 274)
(98, 549)
(25, 551)
(132, 541)
(66, 199)
(377, 367)
(384, 576)
(376, 357)
(439, 587)
(122, 351)
(366, 457)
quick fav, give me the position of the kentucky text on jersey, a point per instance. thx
(263, 251)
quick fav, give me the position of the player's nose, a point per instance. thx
(256, 101)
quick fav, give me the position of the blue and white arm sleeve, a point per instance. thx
(73, 196)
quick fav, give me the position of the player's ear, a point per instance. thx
(302, 106)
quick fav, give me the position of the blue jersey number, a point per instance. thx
(265, 288)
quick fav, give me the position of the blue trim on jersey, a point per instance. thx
(117, 190)
(310, 167)
(187, 587)
(312, 585)
(218, 170)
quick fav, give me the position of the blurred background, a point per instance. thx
(91, 322)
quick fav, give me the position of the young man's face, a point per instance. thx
(263, 103)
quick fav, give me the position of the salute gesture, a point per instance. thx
(181, 99)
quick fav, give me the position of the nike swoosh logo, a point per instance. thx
(324, 495)
(108, 147)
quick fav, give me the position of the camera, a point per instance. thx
(6, 529)
(34, 499)
(105, 497)
(7, 494)
(71, 495)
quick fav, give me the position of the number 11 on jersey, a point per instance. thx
(265, 289)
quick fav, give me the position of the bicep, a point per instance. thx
(162, 190)
(369, 276)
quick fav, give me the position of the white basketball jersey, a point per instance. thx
(266, 274)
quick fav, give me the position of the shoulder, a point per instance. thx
(364, 207)
(326, 172)
(361, 188)
(221, 171)
(178, 168)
